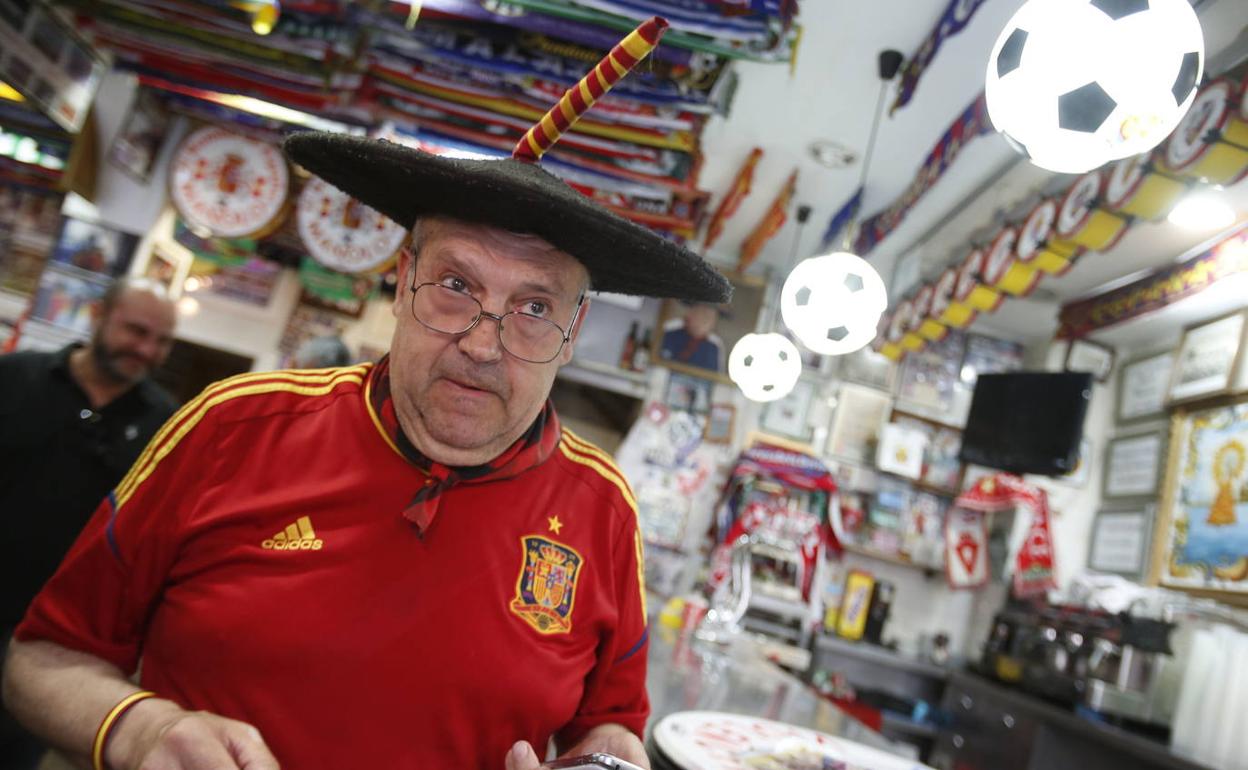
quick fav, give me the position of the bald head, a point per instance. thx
(134, 330)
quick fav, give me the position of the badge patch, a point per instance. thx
(546, 587)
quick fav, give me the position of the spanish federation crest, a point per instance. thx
(546, 588)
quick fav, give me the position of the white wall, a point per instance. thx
(122, 201)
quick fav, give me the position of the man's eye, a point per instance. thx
(536, 307)
(455, 282)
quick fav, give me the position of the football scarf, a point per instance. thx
(529, 451)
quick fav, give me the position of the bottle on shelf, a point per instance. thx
(641, 355)
(630, 347)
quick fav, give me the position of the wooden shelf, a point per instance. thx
(883, 657)
(890, 558)
(922, 486)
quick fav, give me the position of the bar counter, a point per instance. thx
(742, 681)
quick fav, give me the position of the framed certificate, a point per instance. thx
(860, 415)
(1121, 541)
(1133, 465)
(1142, 387)
(1088, 356)
(788, 416)
(1208, 359)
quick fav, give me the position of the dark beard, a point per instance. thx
(106, 363)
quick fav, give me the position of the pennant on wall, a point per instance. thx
(955, 18)
(971, 123)
(840, 221)
(1157, 290)
(732, 201)
(771, 223)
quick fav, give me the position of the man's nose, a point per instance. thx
(481, 342)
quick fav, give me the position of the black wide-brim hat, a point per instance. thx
(405, 184)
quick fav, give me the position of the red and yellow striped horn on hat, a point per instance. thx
(578, 99)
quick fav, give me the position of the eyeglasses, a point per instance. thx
(525, 336)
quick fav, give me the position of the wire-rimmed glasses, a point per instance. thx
(527, 337)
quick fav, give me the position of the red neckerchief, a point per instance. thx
(529, 451)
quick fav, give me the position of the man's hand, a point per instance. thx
(613, 739)
(158, 734)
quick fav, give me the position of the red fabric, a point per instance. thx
(377, 648)
(1034, 569)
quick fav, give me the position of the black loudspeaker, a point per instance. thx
(890, 62)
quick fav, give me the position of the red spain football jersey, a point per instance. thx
(257, 560)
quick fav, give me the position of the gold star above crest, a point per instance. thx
(555, 524)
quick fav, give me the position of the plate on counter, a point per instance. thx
(710, 740)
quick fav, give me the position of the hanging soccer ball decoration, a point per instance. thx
(764, 366)
(1074, 84)
(833, 303)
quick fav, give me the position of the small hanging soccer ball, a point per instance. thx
(764, 366)
(833, 303)
(1074, 84)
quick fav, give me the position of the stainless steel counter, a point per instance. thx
(742, 681)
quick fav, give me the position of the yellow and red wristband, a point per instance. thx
(110, 720)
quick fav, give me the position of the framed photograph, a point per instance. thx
(1203, 520)
(697, 338)
(720, 421)
(1088, 356)
(168, 266)
(93, 248)
(867, 367)
(1133, 465)
(788, 416)
(856, 424)
(688, 394)
(1208, 358)
(68, 299)
(1142, 387)
(138, 141)
(1121, 541)
(941, 466)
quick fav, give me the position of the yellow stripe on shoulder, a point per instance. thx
(575, 455)
(592, 449)
(317, 375)
(317, 383)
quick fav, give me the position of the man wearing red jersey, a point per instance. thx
(407, 565)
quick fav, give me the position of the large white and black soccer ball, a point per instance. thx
(765, 366)
(1074, 84)
(833, 303)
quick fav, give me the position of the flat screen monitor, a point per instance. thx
(1027, 422)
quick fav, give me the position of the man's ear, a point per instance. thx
(566, 354)
(404, 283)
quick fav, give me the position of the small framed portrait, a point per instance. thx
(167, 265)
(688, 393)
(141, 134)
(92, 248)
(1209, 357)
(1088, 356)
(720, 421)
(697, 338)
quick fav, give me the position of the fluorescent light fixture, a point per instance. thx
(1203, 211)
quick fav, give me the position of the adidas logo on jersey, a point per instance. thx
(296, 537)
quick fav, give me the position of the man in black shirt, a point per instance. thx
(71, 425)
